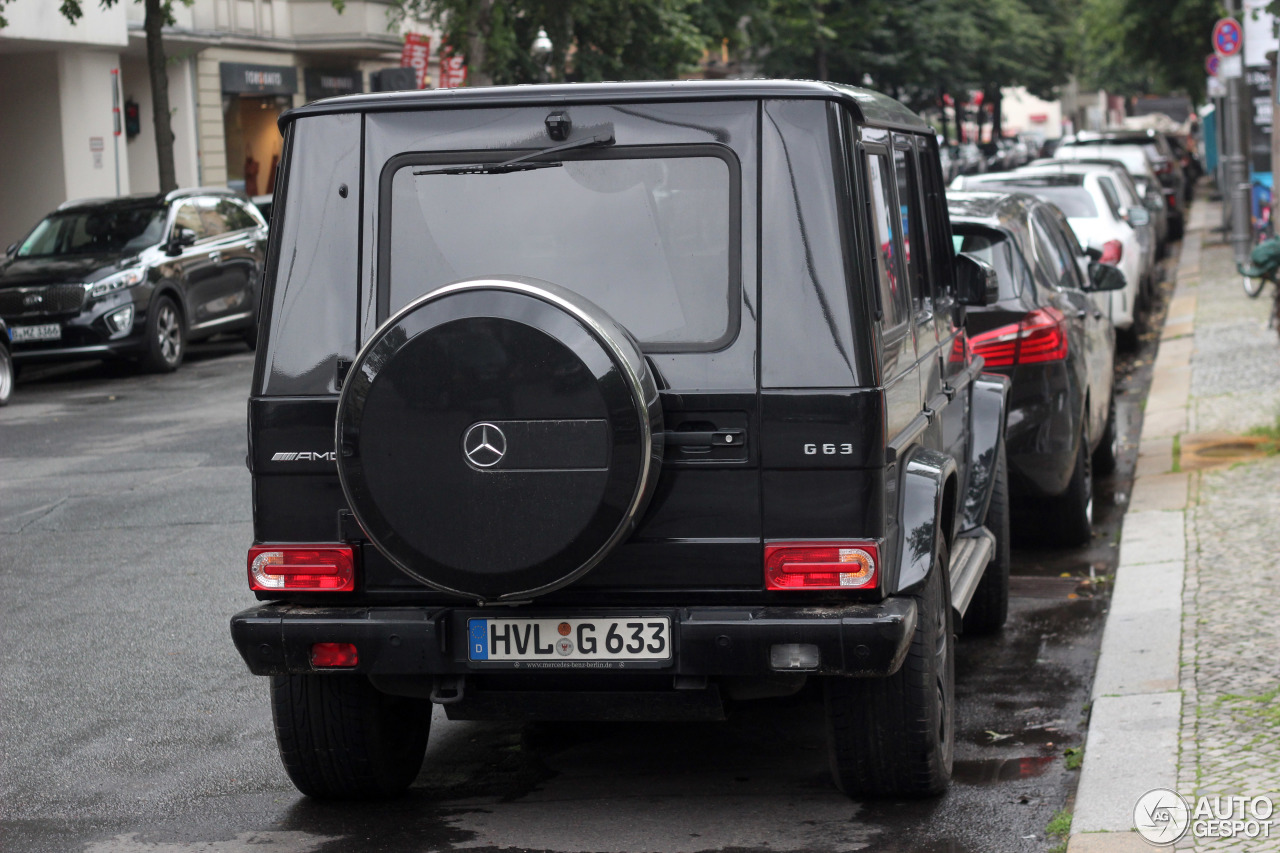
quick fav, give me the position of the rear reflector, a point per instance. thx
(301, 568)
(821, 565)
(334, 654)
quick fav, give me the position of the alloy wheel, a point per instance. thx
(169, 333)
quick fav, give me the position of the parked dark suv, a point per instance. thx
(617, 401)
(136, 276)
(1051, 334)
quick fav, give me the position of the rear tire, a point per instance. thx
(1108, 452)
(340, 738)
(895, 736)
(990, 605)
(166, 337)
(1068, 518)
(7, 376)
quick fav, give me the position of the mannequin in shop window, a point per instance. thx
(250, 176)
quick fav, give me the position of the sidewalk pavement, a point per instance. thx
(1186, 691)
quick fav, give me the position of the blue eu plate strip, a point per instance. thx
(479, 633)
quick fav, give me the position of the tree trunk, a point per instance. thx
(478, 73)
(997, 119)
(152, 23)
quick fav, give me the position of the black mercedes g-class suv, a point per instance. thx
(617, 401)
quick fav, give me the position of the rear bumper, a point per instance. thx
(864, 640)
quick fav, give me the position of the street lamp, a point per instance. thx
(541, 50)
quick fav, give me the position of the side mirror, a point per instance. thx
(182, 237)
(1104, 277)
(977, 282)
(1138, 216)
(1094, 254)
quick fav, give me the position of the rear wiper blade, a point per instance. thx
(525, 162)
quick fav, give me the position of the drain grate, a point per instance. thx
(1213, 450)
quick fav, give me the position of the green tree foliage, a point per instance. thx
(1139, 46)
(592, 39)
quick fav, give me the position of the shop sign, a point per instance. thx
(241, 78)
(417, 48)
(329, 84)
(453, 68)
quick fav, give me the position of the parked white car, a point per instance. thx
(1124, 201)
(1097, 226)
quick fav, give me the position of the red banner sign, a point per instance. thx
(417, 48)
(453, 68)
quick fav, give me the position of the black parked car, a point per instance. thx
(654, 396)
(1054, 340)
(137, 276)
(7, 373)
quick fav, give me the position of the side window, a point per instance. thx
(1052, 252)
(1112, 195)
(237, 218)
(915, 253)
(894, 299)
(212, 217)
(189, 217)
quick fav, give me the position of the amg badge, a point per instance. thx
(314, 456)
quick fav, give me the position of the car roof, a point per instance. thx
(873, 108)
(143, 199)
(1003, 211)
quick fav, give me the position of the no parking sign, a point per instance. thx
(1227, 37)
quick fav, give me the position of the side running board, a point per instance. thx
(972, 551)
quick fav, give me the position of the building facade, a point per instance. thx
(83, 92)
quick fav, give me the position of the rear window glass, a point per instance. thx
(650, 239)
(1074, 201)
(998, 251)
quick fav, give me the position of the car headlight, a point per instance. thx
(119, 281)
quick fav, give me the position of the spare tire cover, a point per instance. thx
(498, 437)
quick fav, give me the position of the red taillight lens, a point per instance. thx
(334, 654)
(1112, 252)
(1172, 200)
(1039, 336)
(821, 565)
(301, 568)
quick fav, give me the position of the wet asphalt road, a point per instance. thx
(128, 724)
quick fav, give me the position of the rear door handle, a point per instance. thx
(717, 438)
(215, 256)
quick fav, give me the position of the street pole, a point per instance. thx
(1239, 191)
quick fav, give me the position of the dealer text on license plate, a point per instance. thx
(46, 332)
(621, 639)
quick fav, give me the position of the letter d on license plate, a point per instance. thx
(630, 638)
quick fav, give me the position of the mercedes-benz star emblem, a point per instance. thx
(484, 445)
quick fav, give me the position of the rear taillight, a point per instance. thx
(1112, 252)
(1039, 336)
(1172, 200)
(1164, 168)
(821, 565)
(301, 568)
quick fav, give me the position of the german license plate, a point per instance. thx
(46, 332)
(629, 638)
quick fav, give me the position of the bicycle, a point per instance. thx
(1264, 266)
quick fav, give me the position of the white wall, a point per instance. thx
(84, 90)
(31, 182)
(144, 175)
(1020, 107)
(40, 20)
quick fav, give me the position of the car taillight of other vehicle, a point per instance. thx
(1039, 336)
